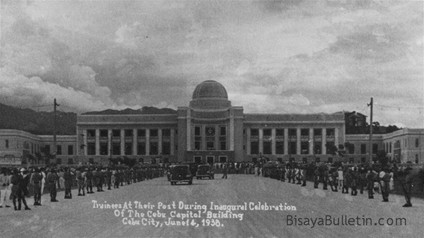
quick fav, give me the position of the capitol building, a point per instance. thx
(211, 130)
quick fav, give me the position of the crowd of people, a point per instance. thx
(347, 178)
(19, 183)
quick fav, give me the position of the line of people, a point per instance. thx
(349, 178)
(17, 183)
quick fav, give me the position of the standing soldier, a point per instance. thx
(52, 179)
(17, 193)
(354, 181)
(316, 176)
(406, 179)
(35, 180)
(304, 173)
(68, 177)
(346, 180)
(4, 184)
(362, 179)
(81, 182)
(225, 175)
(385, 184)
(89, 176)
(108, 178)
(370, 176)
(324, 176)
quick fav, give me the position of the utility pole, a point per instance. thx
(55, 105)
(370, 137)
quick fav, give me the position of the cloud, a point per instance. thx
(272, 56)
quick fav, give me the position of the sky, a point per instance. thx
(275, 56)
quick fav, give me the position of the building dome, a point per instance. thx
(210, 89)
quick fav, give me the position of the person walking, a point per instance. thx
(4, 187)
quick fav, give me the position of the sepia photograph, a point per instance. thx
(212, 118)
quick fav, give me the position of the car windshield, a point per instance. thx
(180, 169)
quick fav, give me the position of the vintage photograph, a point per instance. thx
(211, 118)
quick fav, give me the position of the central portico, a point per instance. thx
(211, 129)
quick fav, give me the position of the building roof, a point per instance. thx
(210, 89)
(335, 117)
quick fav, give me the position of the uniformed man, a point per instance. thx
(81, 181)
(89, 178)
(225, 172)
(68, 177)
(370, 176)
(385, 184)
(35, 181)
(316, 176)
(406, 178)
(354, 181)
(52, 179)
(108, 175)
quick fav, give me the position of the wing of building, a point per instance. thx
(210, 129)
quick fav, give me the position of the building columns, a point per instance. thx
(261, 141)
(122, 142)
(109, 142)
(298, 147)
(286, 141)
(324, 141)
(273, 139)
(311, 141)
(147, 141)
(97, 142)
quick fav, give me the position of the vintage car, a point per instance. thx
(205, 171)
(181, 173)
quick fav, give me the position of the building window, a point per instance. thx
(223, 131)
(103, 148)
(103, 133)
(116, 133)
(330, 132)
(317, 147)
(417, 142)
(374, 149)
(91, 133)
(304, 132)
(116, 148)
(58, 161)
(304, 147)
(223, 145)
(70, 161)
(47, 149)
(363, 149)
(91, 148)
(329, 146)
(154, 147)
(141, 133)
(267, 147)
(351, 148)
(254, 132)
(279, 147)
(166, 132)
(254, 147)
(166, 147)
(58, 150)
(292, 147)
(292, 132)
(279, 132)
(317, 132)
(197, 131)
(7, 144)
(141, 148)
(197, 144)
(128, 148)
(210, 145)
(70, 149)
(128, 133)
(154, 133)
(267, 132)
